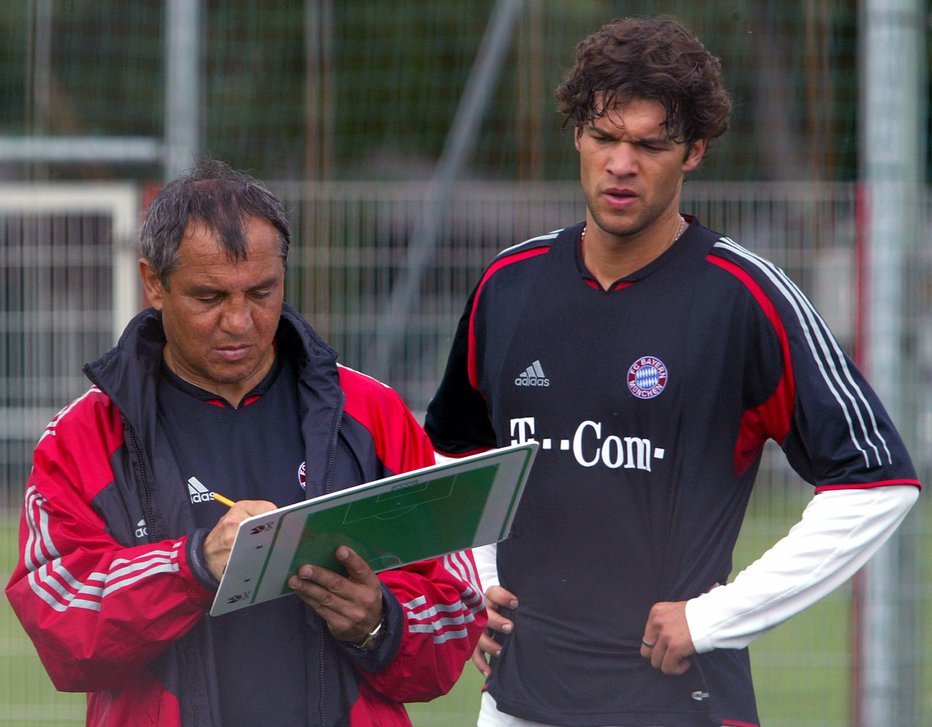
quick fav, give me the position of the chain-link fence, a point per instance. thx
(350, 243)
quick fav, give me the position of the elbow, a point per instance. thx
(902, 498)
(911, 495)
(76, 666)
(74, 675)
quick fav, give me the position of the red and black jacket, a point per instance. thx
(110, 585)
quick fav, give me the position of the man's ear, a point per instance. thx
(151, 284)
(694, 153)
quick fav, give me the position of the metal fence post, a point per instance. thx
(459, 144)
(182, 85)
(891, 174)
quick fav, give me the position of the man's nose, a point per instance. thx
(237, 316)
(622, 161)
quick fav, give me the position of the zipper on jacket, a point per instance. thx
(336, 423)
(320, 676)
(139, 462)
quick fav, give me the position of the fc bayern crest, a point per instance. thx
(647, 377)
(302, 476)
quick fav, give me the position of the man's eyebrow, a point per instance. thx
(269, 282)
(202, 288)
(205, 288)
(656, 140)
(659, 140)
(593, 125)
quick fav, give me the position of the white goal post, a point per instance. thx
(68, 271)
(120, 202)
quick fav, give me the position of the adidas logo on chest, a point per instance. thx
(533, 375)
(198, 492)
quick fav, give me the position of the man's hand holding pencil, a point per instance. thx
(219, 541)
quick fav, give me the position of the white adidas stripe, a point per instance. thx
(50, 429)
(548, 236)
(460, 565)
(55, 585)
(39, 541)
(60, 589)
(444, 621)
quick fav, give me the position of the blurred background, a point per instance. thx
(413, 139)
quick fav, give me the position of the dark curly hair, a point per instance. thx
(649, 59)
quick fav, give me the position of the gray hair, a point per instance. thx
(218, 197)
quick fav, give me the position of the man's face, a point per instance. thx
(220, 315)
(631, 173)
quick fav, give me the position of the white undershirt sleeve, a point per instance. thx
(838, 533)
(486, 565)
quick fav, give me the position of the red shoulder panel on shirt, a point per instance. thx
(492, 270)
(772, 418)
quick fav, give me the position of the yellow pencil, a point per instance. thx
(223, 500)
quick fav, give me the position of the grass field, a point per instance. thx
(801, 669)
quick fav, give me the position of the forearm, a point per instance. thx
(838, 533)
(442, 618)
(97, 612)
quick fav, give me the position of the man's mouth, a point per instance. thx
(233, 353)
(620, 198)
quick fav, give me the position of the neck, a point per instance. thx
(233, 391)
(610, 257)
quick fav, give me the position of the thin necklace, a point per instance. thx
(680, 229)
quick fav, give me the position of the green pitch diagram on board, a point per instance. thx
(388, 531)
